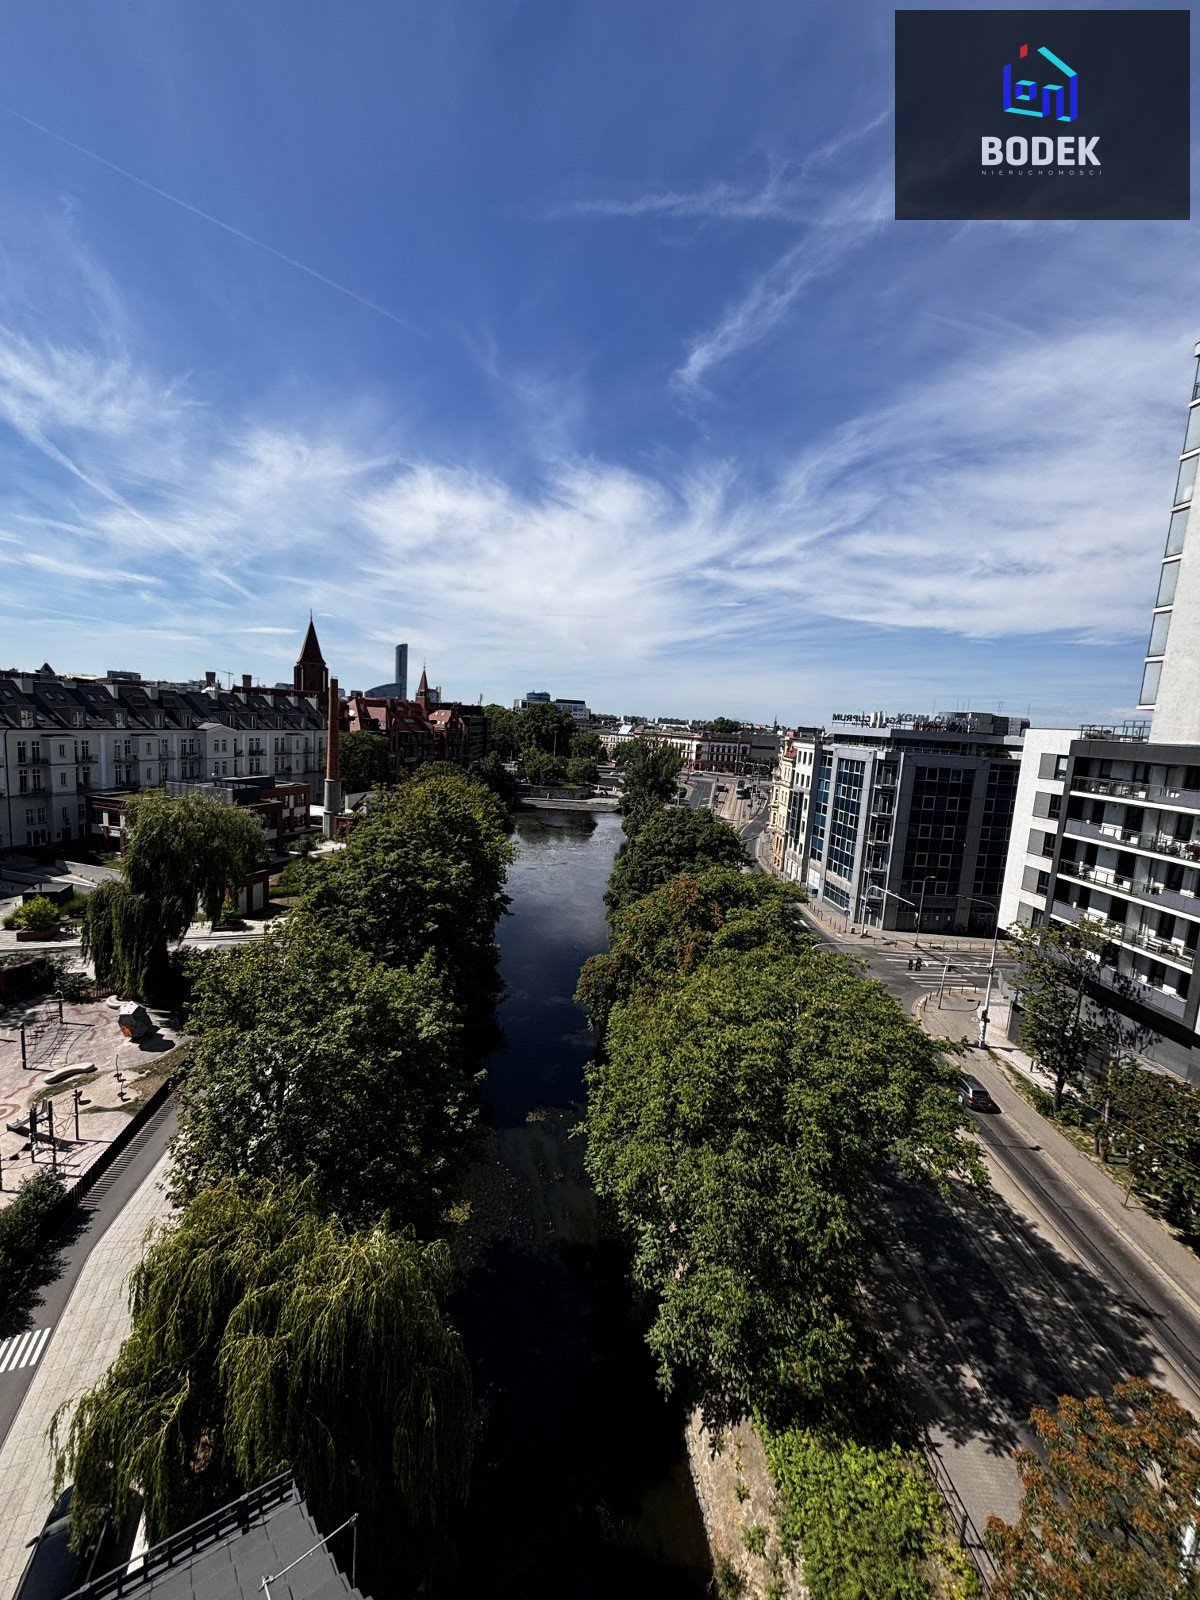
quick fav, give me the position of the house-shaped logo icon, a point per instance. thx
(1059, 100)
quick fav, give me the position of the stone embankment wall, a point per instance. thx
(737, 1498)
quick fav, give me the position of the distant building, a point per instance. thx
(903, 821)
(397, 689)
(541, 697)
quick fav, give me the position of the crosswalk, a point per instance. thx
(23, 1349)
(962, 970)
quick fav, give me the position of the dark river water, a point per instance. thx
(581, 1485)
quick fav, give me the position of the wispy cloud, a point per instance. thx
(786, 194)
(843, 226)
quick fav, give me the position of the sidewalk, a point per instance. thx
(958, 1019)
(81, 1347)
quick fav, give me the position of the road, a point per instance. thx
(991, 1304)
(32, 1325)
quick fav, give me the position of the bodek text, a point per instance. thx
(1069, 150)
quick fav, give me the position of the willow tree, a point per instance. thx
(182, 855)
(268, 1338)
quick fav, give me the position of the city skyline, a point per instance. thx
(660, 409)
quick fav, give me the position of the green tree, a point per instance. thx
(265, 1337)
(735, 1125)
(502, 731)
(650, 772)
(670, 842)
(541, 768)
(546, 727)
(182, 854)
(312, 1061)
(1066, 1025)
(667, 934)
(1108, 1512)
(581, 769)
(724, 725)
(424, 874)
(492, 772)
(587, 747)
(365, 761)
(1152, 1121)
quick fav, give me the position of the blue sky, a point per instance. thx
(573, 343)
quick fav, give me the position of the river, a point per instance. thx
(581, 1484)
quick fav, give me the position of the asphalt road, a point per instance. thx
(45, 1300)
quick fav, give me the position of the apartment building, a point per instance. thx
(65, 741)
(1125, 807)
(903, 822)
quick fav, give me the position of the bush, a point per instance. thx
(868, 1520)
(24, 1227)
(37, 913)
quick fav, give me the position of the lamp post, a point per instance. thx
(885, 894)
(991, 971)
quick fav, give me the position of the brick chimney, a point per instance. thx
(333, 770)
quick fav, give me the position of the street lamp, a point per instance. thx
(991, 971)
(868, 897)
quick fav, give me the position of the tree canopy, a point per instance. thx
(265, 1337)
(365, 760)
(1066, 1024)
(313, 1061)
(650, 772)
(424, 874)
(182, 854)
(669, 932)
(724, 725)
(734, 1123)
(587, 747)
(1108, 1512)
(670, 841)
(546, 727)
(541, 768)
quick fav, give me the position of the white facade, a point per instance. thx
(1036, 811)
(1171, 677)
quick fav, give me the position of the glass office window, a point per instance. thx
(1192, 441)
(1158, 633)
(1150, 679)
(1166, 584)
(1187, 480)
(1178, 526)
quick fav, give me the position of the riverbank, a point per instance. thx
(598, 803)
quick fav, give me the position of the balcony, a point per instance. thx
(32, 761)
(1140, 888)
(85, 755)
(1152, 794)
(1159, 844)
(1129, 938)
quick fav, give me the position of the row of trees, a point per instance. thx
(547, 728)
(1073, 1023)
(294, 1314)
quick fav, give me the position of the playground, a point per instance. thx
(71, 1074)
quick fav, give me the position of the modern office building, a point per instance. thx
(397, 689)
(904, 822)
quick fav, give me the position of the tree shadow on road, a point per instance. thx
(985, 1319)
(22, 1303)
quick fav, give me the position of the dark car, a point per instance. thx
(973, 1096)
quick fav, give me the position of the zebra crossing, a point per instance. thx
(23, 1349)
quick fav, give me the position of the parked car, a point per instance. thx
(973, 1096)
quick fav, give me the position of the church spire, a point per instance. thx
(311, 676)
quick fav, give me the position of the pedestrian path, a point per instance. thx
(23, 1349)
(88, 1335)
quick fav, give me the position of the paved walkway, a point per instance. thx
(85, 1341)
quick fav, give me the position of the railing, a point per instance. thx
(1124, 789)
(1187, 901)
(33, 761)
(1160, 843)
(1133, 938)
(182, 1546)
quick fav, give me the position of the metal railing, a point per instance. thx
(182, 1546)
(1127, 789)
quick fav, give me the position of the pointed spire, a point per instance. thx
(423, 686)
(310, 650)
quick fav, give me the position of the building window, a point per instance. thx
(1166, 584)
(1178, 525)
(1158, 633)
(1187, 480)
(1150, 679)
(1192, 437)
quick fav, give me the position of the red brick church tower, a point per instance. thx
(310, 675)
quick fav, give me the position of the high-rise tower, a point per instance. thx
(1171, 677)
(401, 672)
